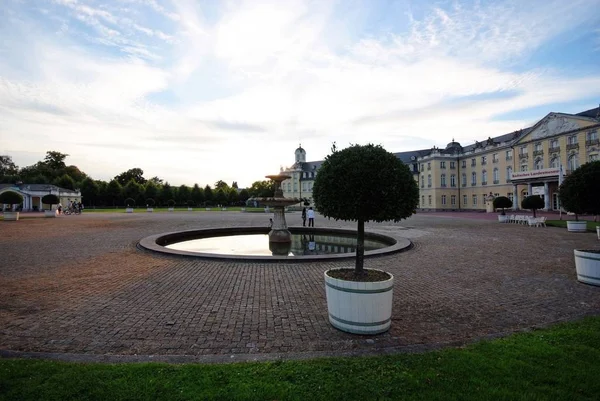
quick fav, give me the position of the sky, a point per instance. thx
(198, 91)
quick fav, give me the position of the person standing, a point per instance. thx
(303, 217)
(311, 217)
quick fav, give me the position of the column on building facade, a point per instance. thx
(40, 209)
(546, 196)
(529, 189)
(515, 197)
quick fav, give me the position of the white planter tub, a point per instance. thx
(359, 307)
(129, 210)
(190, 209)
(587, 265)
(207, 208)
(11, 216)
(49, 213)
(244, 209)
(577, 226)
(598, 231)
(502, 219)
(171, 209)
(150, 209)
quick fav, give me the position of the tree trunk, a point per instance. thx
(534, 213)
(360, 249)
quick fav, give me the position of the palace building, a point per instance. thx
(525, 162)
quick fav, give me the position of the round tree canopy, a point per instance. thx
(171, 202)
(10, 198)
(580, 191)
(533, 202)
(130, 202)
(364, 183)
(150, 202)
(50, 199)
(502, 202)
(190, 203)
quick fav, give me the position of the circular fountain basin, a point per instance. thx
(252, 244)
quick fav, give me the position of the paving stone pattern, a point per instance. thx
(78, 284)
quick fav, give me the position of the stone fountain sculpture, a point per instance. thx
(280, 237)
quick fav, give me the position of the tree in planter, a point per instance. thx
(502, 202)
(130, 202)
(51, 200)
(580, 192)
(533, 202)
(362, 184)
(10, 198)
(150, 202)
(171, 203)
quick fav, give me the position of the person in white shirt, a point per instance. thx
(311, 217)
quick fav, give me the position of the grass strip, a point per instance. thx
(559, 363)
(590, 225)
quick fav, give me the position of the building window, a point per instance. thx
(495, 158)
(289, 186)
(443, 180)
(508, 173)
(538, 147)
(422, 200)
(453, 200)
(592, 135)
(465, 197)
(572, 140)
(594, 157)
(422, 181)
(422, 167)
(573, 162)
(473, 162)
(304, 186)
(473, 178)
(429, 199)
(474, 200)
(554, 162)
(509, 154)
(443, 199)
(453, 181)
(310, 186)
(452, 165)
(554, 144)
(484, 177)
(523, 150)
(429, 181)
(524, 167)
(538, 164)
(464, 164)
(442, 164)
(496, 176)
(464, 179)
(429, 166)
(511, 196)
(483, 160)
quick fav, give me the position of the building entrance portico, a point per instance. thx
(542, 182)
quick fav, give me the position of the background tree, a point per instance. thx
(166, 193)
(532, 202)
(113, 192)
(136, 174)
(156, 180)
(7, 166)
(77, 175)
(28, 173)
(232, 196)
(221, 185)
(65, 181)
(197, 194)
(134, 191)
(234, 185)
(208, 195)
(55, 160)
(89, 191)
(580, 191)
(220, 197)
(364, 183)
(151, 190)
(502, 202)
(183, 194)
(263, 189)
(103, 199)
(244, 195)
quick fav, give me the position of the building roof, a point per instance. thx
(591, 113)
(39, 188)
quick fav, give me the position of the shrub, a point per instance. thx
(364, 183)
(150, 202)
(580, 191)
(130, 202)
(171, 203)
(502, 202)
(190, 203)
(10, 198)
(50, 199)
(533, 202)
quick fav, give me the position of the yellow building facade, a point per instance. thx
(515, 165)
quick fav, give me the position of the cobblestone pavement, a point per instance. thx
(78, 284)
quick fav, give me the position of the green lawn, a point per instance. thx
(177, 209)
(591, 225)
(560, 363)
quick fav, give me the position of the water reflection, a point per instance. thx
(258, 244)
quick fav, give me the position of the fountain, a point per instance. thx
(279, 233)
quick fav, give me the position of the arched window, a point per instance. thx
(524, 167)
(554, 162)
(443, 180)
(496, 176)
(573, 162)
(538, 164)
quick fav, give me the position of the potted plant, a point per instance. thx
(171, 204)
(51, 200)
(150, 205)
(578, 195)
(10, 198)
(129, 204)
(533, 202)
(190, 204)
(362, 184)
(502, 202)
